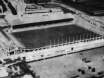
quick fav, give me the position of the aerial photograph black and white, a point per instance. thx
(51, 38)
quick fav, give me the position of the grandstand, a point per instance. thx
(44, 23)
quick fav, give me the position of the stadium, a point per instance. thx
(57, 36)
(51, 28)
(26, 36)
(42, 33)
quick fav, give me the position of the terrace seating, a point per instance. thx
(68, 43)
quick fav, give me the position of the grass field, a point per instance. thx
(54, 35)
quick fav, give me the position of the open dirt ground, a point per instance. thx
(69, 66)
